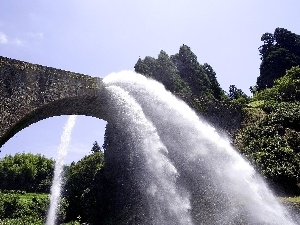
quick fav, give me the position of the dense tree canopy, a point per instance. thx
(27, 172)
(272, 140)
(267, 141)
(191, 71)
(217, 91)
(286, 88)
(235, 93)
(272, 144)
(182, 73)
(163, 70)
(280, 52)
(84, 187)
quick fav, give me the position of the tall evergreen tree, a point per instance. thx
(96, 147)
(280, 52)
(235, 93)
(146, 67)
(214, 84)
(192, 72)
(182, 74)
(163, 70)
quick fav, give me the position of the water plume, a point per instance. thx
(58, 170)
(185, 171)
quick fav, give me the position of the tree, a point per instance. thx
(84, 188)
(274, 66)
(163, 70)
(27, 172)
(192, 72)
(286, 88)
(182, 74)
(236, 93)
(268, 45)
(272, 144)
(96, 147)
(287, 40)
(280, 52)
(214, 84)
(146, 67)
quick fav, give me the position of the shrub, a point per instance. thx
(272, 144)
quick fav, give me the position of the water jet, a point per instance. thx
(58, 170)
(176, 167)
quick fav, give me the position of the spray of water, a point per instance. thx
(156, 176)
(59, 163)
(190, 173)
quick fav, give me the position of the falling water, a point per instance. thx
(160, 185)
(188, 172)
(59, 163)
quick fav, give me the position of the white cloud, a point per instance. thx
(3, 38)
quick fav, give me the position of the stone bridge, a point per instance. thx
(30, 93)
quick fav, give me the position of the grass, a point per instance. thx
(27, 197)
(293, 205)
(256, 104)
(291, 200)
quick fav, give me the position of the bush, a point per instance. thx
(30, 208)
(15, 206)
(286, 88)
(22, 221)
(27, 172)
(272, 144)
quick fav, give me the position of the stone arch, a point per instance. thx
(86, 106)
(30, 93)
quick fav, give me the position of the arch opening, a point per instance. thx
(43, 137)
(93, 106)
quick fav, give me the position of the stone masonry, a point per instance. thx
(30, 93)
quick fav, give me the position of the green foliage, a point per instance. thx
(292, 200)
(22, 221)
(182, 74)
(292, 204)
(237, 95)
(84, 188)
(163, 70)
(286, 88)
(218, 93)
(192, 72)
(272, 144)
(22, 208)
(256, 103)
(270, 137)
(280, 52)
(76, 222)
(28, 172)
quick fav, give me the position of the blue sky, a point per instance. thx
(98, 37)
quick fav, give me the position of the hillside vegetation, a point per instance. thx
(266, 127)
